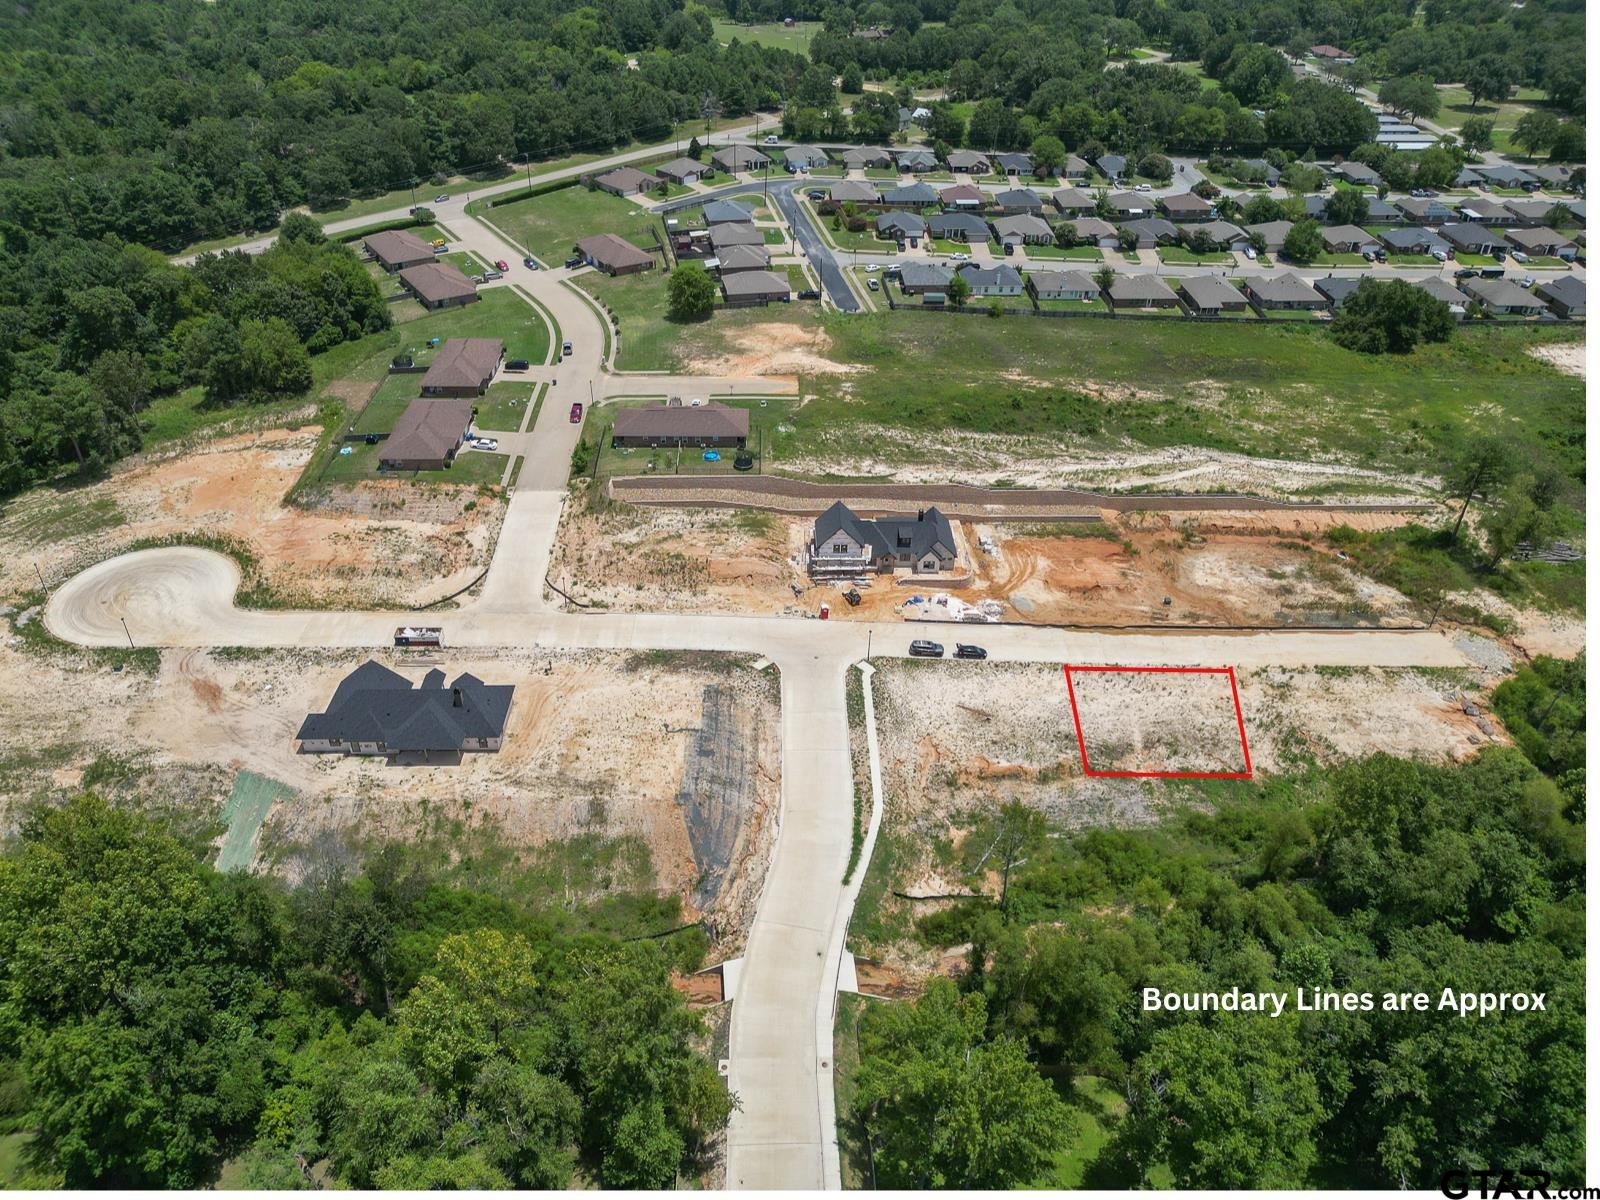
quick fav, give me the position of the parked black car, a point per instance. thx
(965, 651)
(574, 261)
(810, 294)
(516, 364)
(926, 649)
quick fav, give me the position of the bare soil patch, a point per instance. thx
(1566, 357)
(771, 348)
(597, 745)
(385, 542)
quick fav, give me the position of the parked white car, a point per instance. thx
(961, 258)
(1143, 187)
(871, 268)
(483, 443)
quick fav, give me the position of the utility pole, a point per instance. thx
(42, 585)
(124, 621)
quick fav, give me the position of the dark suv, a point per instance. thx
(964, 651)
(926, 649)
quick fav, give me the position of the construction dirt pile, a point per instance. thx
(960, 739)
(379, 543)
(599, 745)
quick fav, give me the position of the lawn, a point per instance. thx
(1455, 107)
(1078, 306)
(502, 407)
(1273, 389)
(766, 414)
(1178, 255)
(1415, 260)
(1071, 254)
(1471, 260)
(550, 224)
(795, 38)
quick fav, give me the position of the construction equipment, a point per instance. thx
(852, 597)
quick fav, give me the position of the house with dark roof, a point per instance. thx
(427, 436)
(1440, 290)
(1014, 162)
(1425, 210)
(1467, 177)
(1485, 212)
(709, 424)
(805, 156)
(1093, 229)
(1222, 233)
(1545, 243)
(463, 367)
(902, 226)
(1285, 291)
(1348, 239)
(1358, 173)
(1001, 280)
(1316, 206)
(725, 212)
(967, 162)
(396, 249)
(609, 253)
(916, 159)
(1152, 231)
(1130, 205)
(734, 233)
(1506, 176)
(1272, 233)
(733, 159)
(731, 259)
(1565, 295)
(1472, 239)
(438, 285)
(1142, 291)
(912, 195)
(1024, 229)
(1381, 212)
(1186, 206)
(1337, 288)
(626, 181)
(376, 711)
(754, 287)
(1019, 200)
(844, 544)
(1210, 295)
(681, 170)
(922, 278)
(1260, 168)
(959, 227)
(1063, 285)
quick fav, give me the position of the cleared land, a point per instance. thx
(603, 777)
(551, 224)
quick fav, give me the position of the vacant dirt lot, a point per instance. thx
(1138, 568)
(598, 744)
(771, 348)
(959, 739)
(381, 543)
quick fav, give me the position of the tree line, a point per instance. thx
(1377, 876)
(93, 330)
(375, 1027)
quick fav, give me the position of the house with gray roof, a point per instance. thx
(438, 285)
(1316, 206)
(396, 249)
(967, 162)
(1210, 295)
(963, 195)
(1502, 298)
(1485, 212)
(916, 159)
(735, 233)
(1019, 200)
(754, 287)
(376, 711)
(1358, 173)
(1152, 231)
(1425, 210)
(922, 278)
(1142, 291)
(1063, 285)
(1272, 233)
(1348, 239)
(1381, 212)
(1130, 205)
(1261, 169)
(1186, 206)
(1112, 166)
(1564, 294)
(1014, 162)
(855, 191)
(734, 159)
(1506, 176)
(859, 158)
(681, 170)
(723, 212)
(1467, 177)
(1076, 169)
(1337, 288)
(1472, 239)
(1553, 175)
(844, 544)
(805, 157)
(1023, 229)
(1534, 212)
(1000, 280)
(1440, 290)
(732, 259)
(959, 227)
(912, 195)
(1285, 291)
(427, 435)
(609, 253)
(1542, 242)
(626, 181)
(1222, 233)
(901, 226)
(1072, 201)
(1094, 230)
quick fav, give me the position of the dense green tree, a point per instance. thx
(1477, 133)
(691, 292)
(1390, 318)
(1411, 95)
(1303, 242)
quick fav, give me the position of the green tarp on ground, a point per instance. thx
(246, 808)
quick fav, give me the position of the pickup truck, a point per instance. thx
(419, 635)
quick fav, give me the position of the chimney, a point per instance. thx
(455, 697)
(921, 512)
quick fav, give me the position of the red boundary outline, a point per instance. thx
(1238, 712)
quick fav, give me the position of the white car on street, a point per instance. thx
(483, 443)
(871, 267)
(961, 258)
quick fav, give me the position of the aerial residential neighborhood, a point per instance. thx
(752, 596)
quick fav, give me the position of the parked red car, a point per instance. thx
(500, 265)
(576, 414)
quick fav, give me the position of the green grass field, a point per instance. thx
(796, 38)
(766, 414)
(502, 407)
(549, 225)
(1180, 255)
(1087, 254)
(1455, 106)
(1272, 389)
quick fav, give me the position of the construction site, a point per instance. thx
(674, 755)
